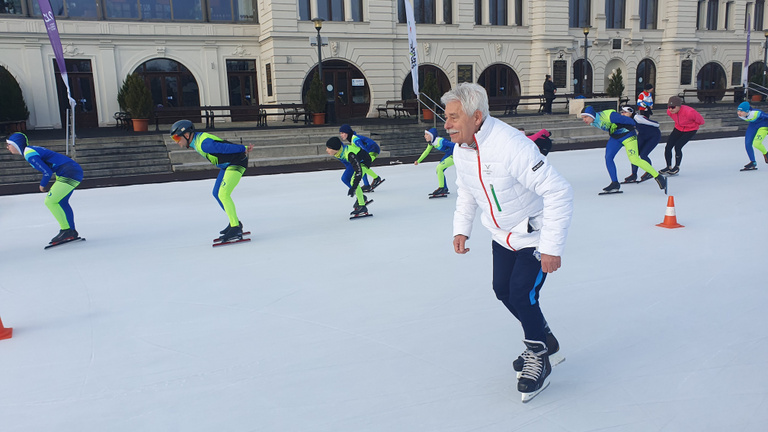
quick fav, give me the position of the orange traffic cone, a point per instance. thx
(670, 220)
(5, 333)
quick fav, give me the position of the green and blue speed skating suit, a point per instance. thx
(756, 132)
(443, 145)
(622, 133)
(358, 161)
(232, 160)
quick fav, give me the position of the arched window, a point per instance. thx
(645, 74)
(582, 78)
(443, 84)
(172, 85)
(711, 77)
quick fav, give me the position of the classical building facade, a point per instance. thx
(236, 52)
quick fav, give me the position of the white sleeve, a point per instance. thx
(466, 208)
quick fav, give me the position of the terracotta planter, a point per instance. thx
(427, 114)
(757, 98)
(140, 125)
(20, 126)
(318, 118)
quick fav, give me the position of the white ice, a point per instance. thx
(376, 325)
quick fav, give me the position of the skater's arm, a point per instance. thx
(423, 154)
(212, 146)
(37, 163)
(459, 244)
(358, 170)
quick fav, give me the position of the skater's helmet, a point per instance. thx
(181, 127)
(588, 111)
(333, 143)
(744, 106)
(627, 109)
(432, 134)
(19, 141)
(347, 129)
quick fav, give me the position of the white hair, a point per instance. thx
(472, 97)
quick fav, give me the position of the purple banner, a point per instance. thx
(53, 35)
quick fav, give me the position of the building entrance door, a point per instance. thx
(83, 92)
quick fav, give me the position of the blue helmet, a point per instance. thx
(181, 127)
(18, 140)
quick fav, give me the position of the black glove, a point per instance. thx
(352, 191)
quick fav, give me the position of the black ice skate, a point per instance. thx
(611, 189)
(674, 171)
(376, 182)
(536, 369)
(232, 234)
(227, 227)
(439, 193)
(662, 181)
(646, 176)
(765, 156)
(553, 347)
(749, 167)
(64, 235)
(632, 178)
(359, 212)
(665, 171)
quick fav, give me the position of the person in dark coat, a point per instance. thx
(549, 94)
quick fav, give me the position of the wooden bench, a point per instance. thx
(294, 111)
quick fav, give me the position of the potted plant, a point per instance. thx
(137, 101)
(12, 105)
(431, 91)
(316, 100)
(615, 84)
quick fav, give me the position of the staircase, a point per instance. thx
(150, 154)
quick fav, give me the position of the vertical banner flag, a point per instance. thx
(745, 70)
(413, 57)
(53, 35)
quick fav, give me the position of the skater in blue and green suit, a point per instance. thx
(358, 159)
(69, 174)
(756, 133)
(622, 132)
(436, 141)
(230, 158)
(371, 147)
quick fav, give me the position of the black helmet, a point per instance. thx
(181, 127)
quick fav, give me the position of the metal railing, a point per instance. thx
(435, 115)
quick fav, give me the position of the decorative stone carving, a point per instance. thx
(160, 51)
(498, 49)
(70, 50)
(239, 51)
(427, 47)
(335, 49)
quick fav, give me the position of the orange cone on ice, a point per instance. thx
(670, 220)
(5, 333)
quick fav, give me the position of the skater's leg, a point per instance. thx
(758, 143)
(671, 140)
(611, 149)
(630, 144)
(503, 263)
(231, 178)
(60, 191)
(217, 188)
(444, 164)
(683, 140)
(525, 282)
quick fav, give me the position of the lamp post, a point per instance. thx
(586, 63)
(319, 25)
(765, 55)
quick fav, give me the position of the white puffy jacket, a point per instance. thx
(515, 187)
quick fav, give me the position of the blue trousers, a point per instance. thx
(517, 280)
(646, 142)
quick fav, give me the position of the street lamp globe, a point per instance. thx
(318, 23)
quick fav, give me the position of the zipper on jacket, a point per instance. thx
(496, 200)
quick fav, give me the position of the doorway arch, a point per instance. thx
(346, 90)
(580, 85)
(172, 85)
(443, 83)
(711, 77)
(501, 83)
(645, 74)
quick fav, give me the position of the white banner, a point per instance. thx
(413, 57)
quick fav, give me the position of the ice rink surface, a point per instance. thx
(375, 325)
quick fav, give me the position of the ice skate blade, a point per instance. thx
(610, 193)
(64, 242)
(527, 397)
(361, 216)
(233, 241)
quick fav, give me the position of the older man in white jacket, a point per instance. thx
(525, 204)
